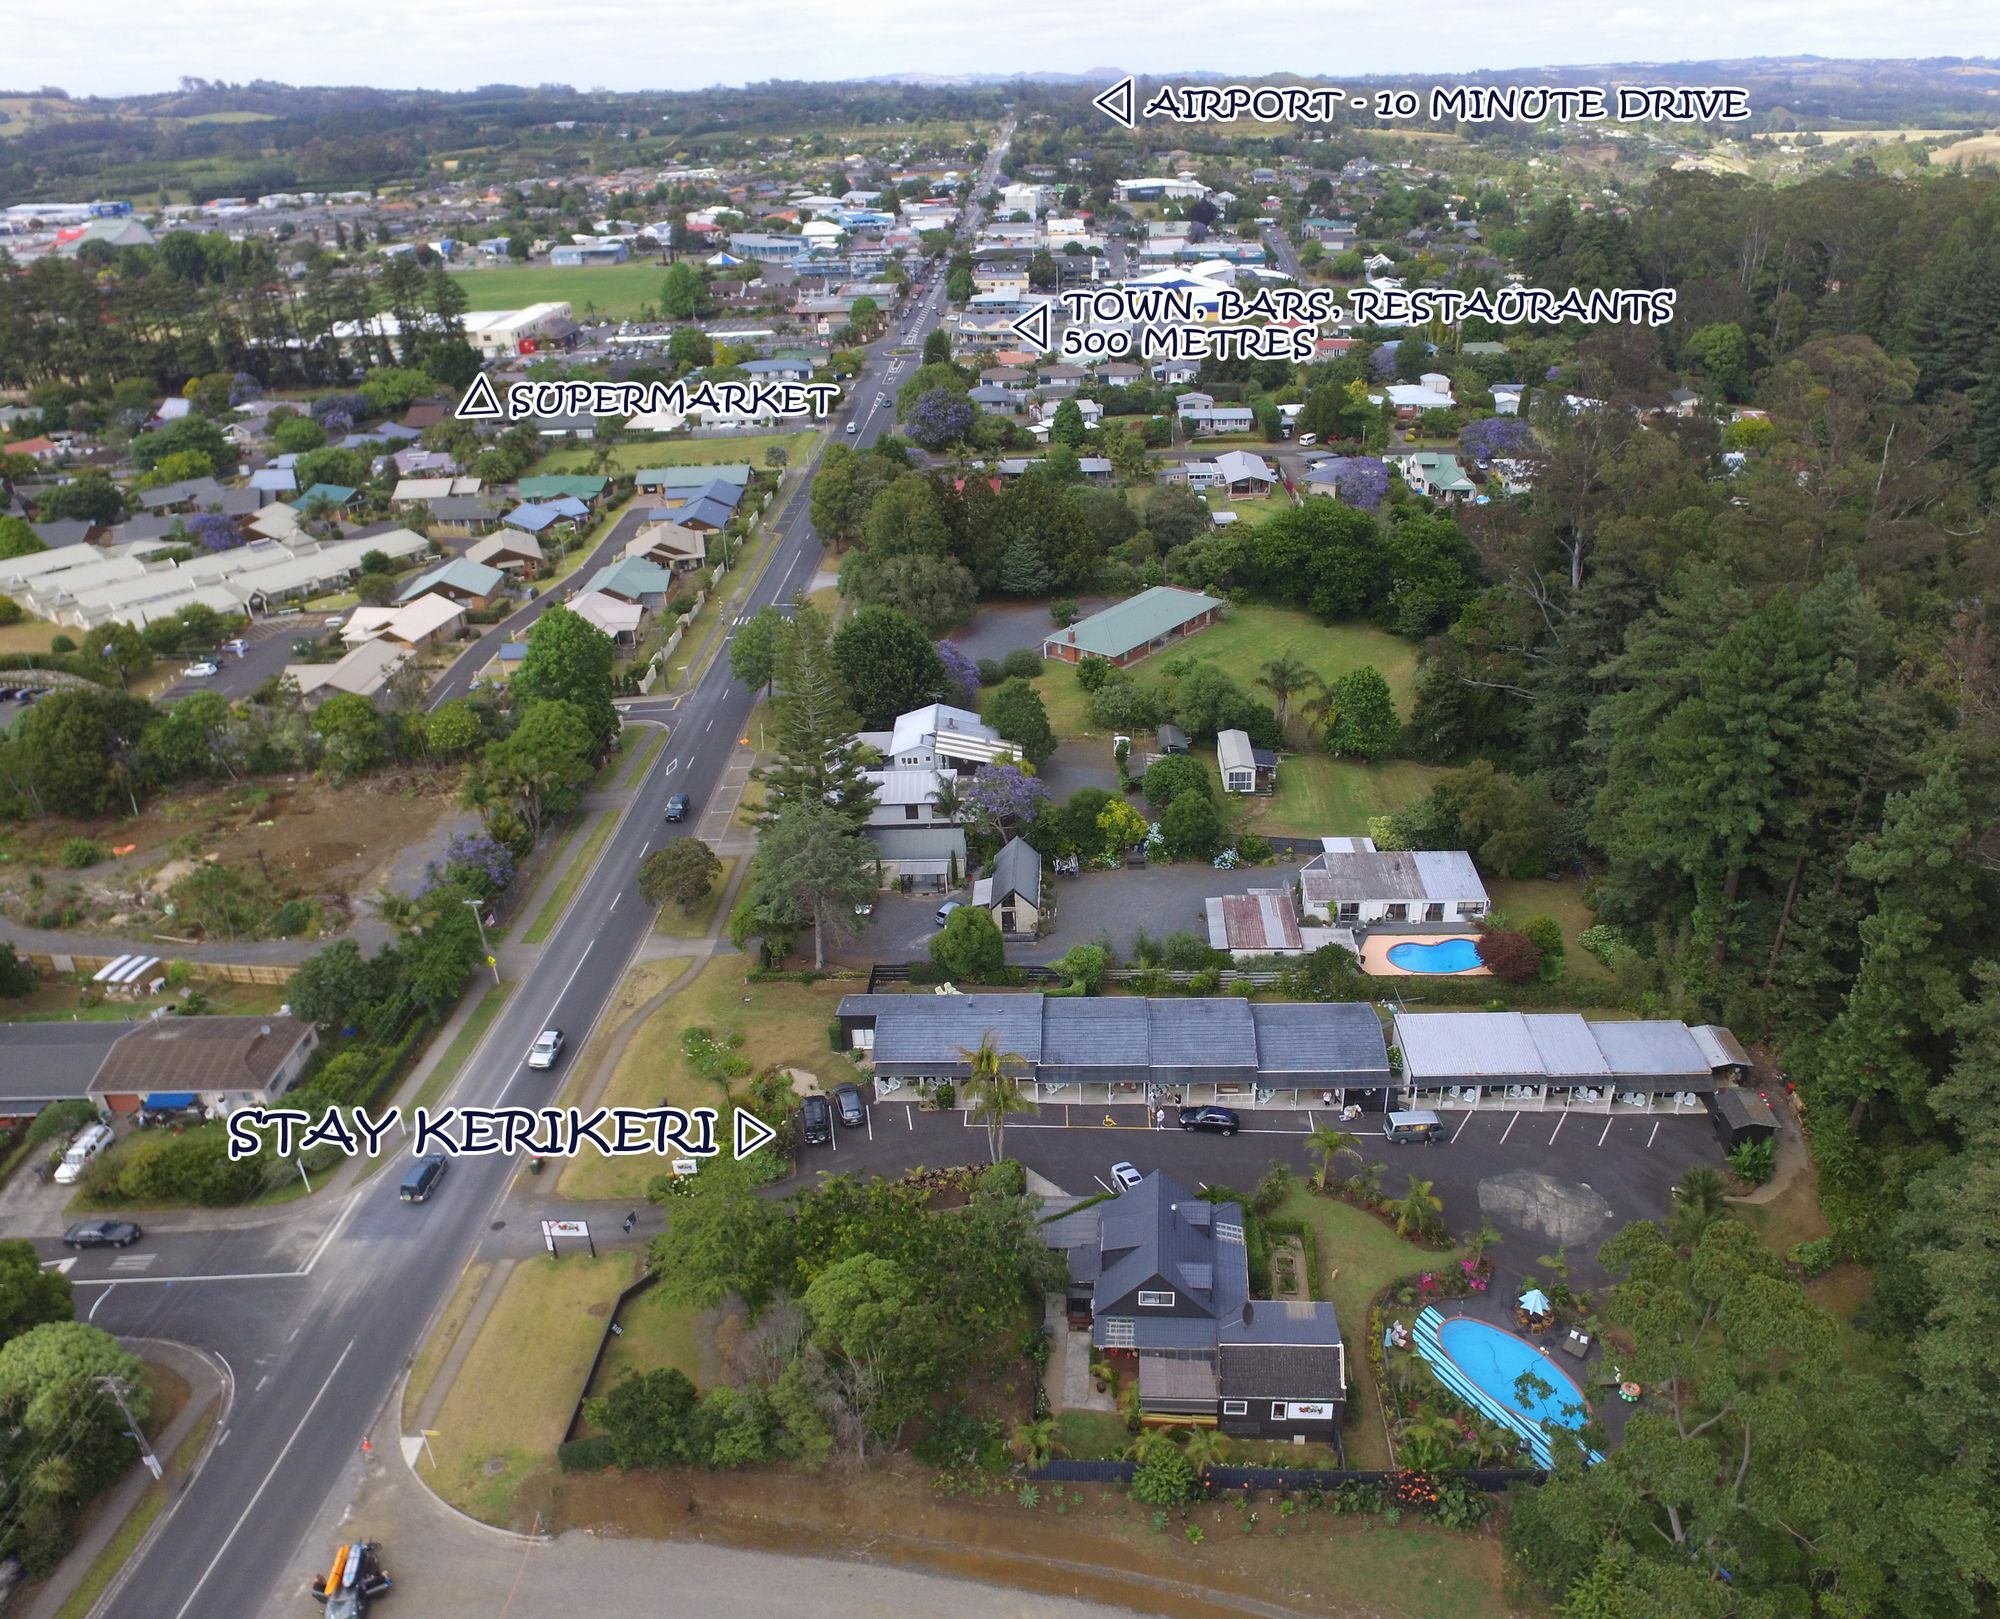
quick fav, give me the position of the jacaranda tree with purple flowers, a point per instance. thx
(473, 859)
(1002, 796)
(1359, 480)
(1493, 436)
(213, 532)
(940, 417)
(961, 675)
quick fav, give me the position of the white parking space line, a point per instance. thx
(1504, 1134)
(869, 1115)
(1607, 1131)
(833, 1141)
(1652, 1133)
(1558, 1130)
(1100, 1181)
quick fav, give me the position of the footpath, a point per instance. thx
(107, 1524)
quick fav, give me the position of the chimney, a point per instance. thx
(1072, 637)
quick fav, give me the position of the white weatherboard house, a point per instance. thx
(1351, 882)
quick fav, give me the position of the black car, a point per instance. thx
(677, 807)
(848, 1104)
(1222, 1120)
(102, 1234)
(815, 1121)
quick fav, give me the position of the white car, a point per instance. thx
(201, 670)
(547, 1047)
(1124, 1177)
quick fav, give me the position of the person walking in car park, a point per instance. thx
(1159, 1118)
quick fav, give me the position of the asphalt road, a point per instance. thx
(318, 1316)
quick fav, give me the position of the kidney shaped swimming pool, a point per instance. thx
(1446, 956)
(1495, 1360)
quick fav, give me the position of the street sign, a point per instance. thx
(552, 1229)
(492, 961)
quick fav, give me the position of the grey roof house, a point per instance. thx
(1161, 1277)
(1350, 880)
(1128, 1049)
(1012, 895)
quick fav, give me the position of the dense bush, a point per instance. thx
(76, 854)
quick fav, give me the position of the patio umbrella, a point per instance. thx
(1535, 1301)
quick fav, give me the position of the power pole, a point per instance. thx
(115, 1387)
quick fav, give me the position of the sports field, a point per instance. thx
(602, 289)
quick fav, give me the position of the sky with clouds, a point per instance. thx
(116, 47)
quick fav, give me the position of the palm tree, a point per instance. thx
(1205, 1448)
(1700, 1200)
(1368, 1179)
(991, 1088)
(1036, 1441)
(1150, 1441)
(1418, 1207)
(401, 911)
(1477, 1242)
(945, 802)
(1321, 706)
(1429, 1440)
(1327, 1145)
(1558, 1289)
(1283, 676)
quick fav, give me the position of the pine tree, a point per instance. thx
(815, 728)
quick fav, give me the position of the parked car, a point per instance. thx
(547, 1047)
(201, 669)
(1425, 1126)
(102, 1234)
(848, 1105)
(240, 647)
(677, 807)
(944, 911)
(1222, 1120)
(1124, 1177)
(815, 1121)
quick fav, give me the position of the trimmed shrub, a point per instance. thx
(592, 1455)
(75, 854)
(61, 643)
(1022, 663)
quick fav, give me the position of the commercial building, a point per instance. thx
(1551, 1059)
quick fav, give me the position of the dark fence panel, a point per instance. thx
(1062, 1471)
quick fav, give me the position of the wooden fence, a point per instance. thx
(228, 972)
(1219, 1479)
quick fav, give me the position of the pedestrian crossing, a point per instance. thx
(132, 1264)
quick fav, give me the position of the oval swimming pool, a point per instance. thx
(1446, 956)
(1495, 1360)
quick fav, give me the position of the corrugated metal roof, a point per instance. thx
(1136, 621)
(1312, 1037)
(1466, 1045)
(1564, 1042)
(1658, 1047)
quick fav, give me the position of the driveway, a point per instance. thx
(270, 650)
(999, 627)
(1155, 900)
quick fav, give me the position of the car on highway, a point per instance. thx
(547, 1048)
(854, 427)
(201, 669)
(1221, 1121)
(677, 807)
(815, 1121)
(848, 1105)
(1124, 1177)
(102, 1234)
(423, 1177)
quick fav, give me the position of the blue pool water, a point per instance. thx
(1495, 1360)
(1446, 956)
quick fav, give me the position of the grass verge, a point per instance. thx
(506, 1411)
(437, 1347)
(695, 924)
(463, 1043)
(780, 1025)
(644, 755)
(572, 874)
(657, 1333)
(119, 1549)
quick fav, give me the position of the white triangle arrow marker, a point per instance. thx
(480, 403)
(1118, 102)
(1033, 329)
(751, 1133)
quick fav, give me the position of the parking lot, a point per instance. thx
(1545, 1180)
(270, 649)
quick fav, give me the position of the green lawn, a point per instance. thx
(1255, 509)
(690, 452)
(573, 874)
(782, 1025)
(1358, 1257)
(1319, 795)
(509, 1407)
(1518, 900)
(1091, 1435)
(614, 289)
(695, 924)
(658, 1332)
